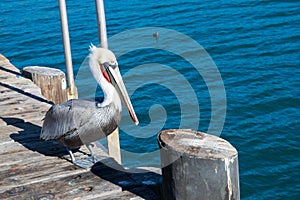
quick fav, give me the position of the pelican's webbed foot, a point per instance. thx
(86, 162)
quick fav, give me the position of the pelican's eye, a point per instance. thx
(113, 64)
(110, 64)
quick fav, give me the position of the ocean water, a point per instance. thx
(254, 46)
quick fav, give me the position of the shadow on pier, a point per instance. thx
(29, 137)
(26, 93)
(143, 183)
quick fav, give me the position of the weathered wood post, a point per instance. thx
(196, 165)
(113, 140)
(52, 82)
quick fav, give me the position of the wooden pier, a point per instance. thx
(35, 169)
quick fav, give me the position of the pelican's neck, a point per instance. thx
(110, 93)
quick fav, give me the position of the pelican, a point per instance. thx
(79, 122)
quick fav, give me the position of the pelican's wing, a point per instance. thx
(66, 118)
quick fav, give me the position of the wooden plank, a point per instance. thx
(17, 158)
(65, 187)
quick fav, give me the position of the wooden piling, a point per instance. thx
(113, 143)
(196, 165)
(52, 82)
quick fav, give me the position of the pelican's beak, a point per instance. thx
(117, 81)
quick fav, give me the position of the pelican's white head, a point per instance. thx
(104, 67)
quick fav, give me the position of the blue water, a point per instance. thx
(254, 44)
